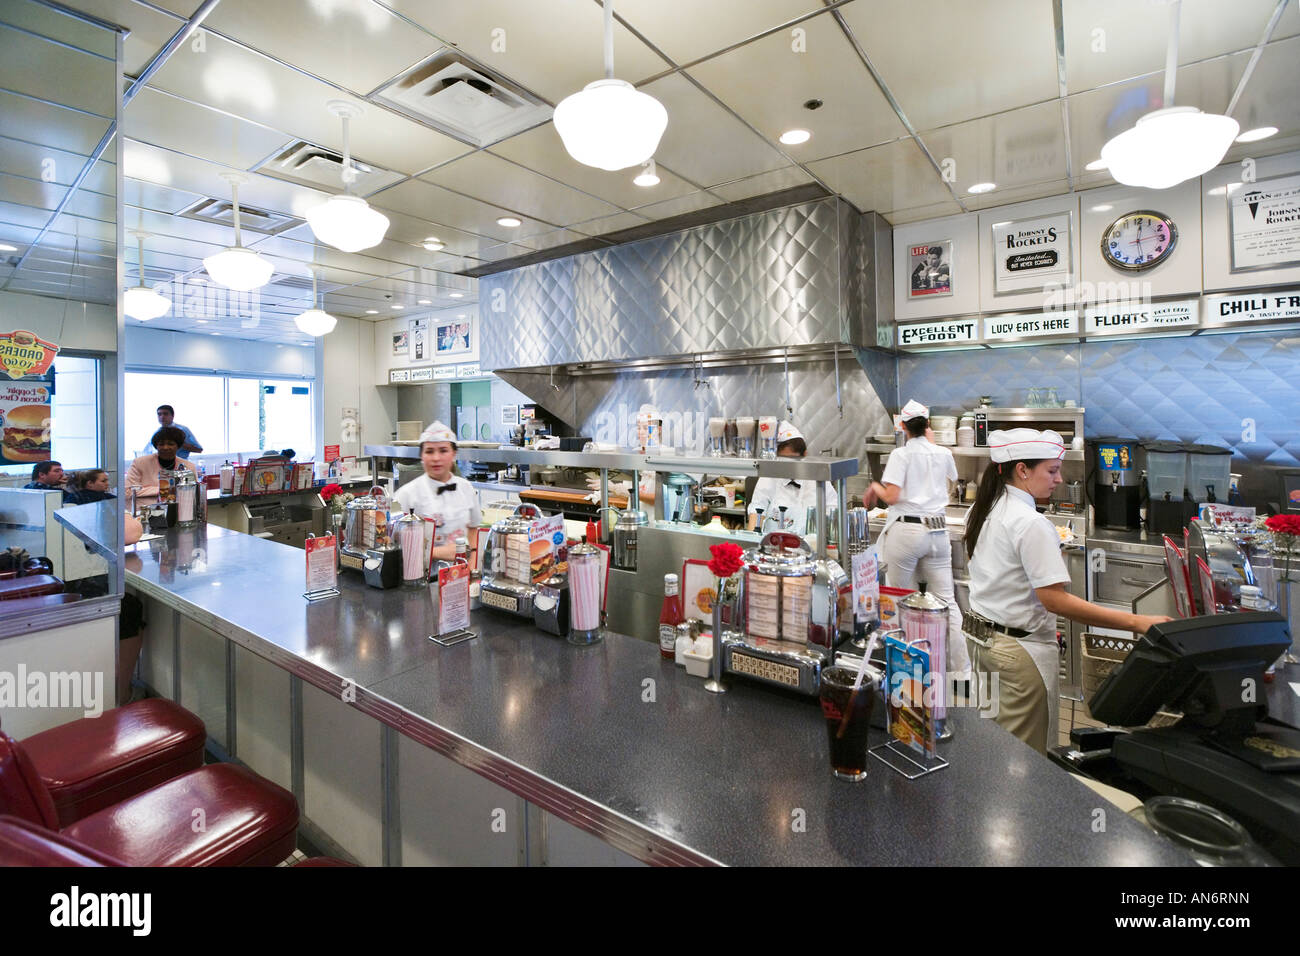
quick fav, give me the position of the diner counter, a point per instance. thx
(627, 746)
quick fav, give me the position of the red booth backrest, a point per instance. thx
(22, 794)
(26, 844)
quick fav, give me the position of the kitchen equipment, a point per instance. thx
(717, 433)
(584, 594)
(1229, 566)
(784, 618)
(925, 618)
(1209, 469)
(960, 494)
(1168, 508)
(679, 491)
(745, 428)
(767, 437)
(365, 527)
(508, 572)
(1116, 493)
(408, 534)
(624, 536)
(729, 438)
(981, 428)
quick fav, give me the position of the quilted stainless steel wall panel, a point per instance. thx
(775, 278)
(1188, 388)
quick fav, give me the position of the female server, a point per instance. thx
(914, 544)
(1017, 584)
(449, 502)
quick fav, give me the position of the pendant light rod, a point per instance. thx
(1171, 53)
(235, 179)
(139, 255)
(346, 111)
(609, 39)
(1254, 56)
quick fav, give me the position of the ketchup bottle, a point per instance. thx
(669, 618)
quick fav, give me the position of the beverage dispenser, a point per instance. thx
(1209, 470)
(1116, 492)
(1167, 505)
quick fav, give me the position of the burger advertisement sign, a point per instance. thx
(25, 404)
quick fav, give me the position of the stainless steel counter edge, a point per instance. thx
(619, 831)
(61, 615)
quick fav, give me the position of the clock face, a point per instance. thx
(1139, 240)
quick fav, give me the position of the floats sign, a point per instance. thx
(22, 353)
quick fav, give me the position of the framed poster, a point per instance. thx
(1028, 254)
(401, 342)
(930, 267)
(454, 337)
(419, 340)
(509, 414)
(1264, 224)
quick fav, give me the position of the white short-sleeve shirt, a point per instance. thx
(921, 470)
(454, 509)
(797, 497)
(1018, 550)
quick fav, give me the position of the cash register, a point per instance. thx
(1225, 750)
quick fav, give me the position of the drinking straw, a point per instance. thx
(857, 684)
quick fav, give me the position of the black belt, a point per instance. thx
(935, 522)
(974, 622)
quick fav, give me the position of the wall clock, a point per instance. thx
(1139, 240)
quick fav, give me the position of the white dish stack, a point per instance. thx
(966, 431)
(945, 429)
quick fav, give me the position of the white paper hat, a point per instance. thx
(437, 432)
(786, 432)
(1022, 444)
(914, 409)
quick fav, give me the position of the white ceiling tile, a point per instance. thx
(541, 149)
(712, 26)
(553, 48)
(762, 184)
(357, 45)
(438, 205)
(31, 192)
(599, 227)
(855, 113)
(678, 206)
(884, 178)
(950, 60)
(52, 72)
(19, 158)
(1098, 115)
(158, 198)
(483, 175)
(1010, 149)
(182, 126)
(703, 142)
(1111, 40)
(51, 125)
(557, 237)
(1270, 96)
(1015, 194)
(229, 77)
(150, 28)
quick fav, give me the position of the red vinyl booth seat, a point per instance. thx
(95, 762)
(26, 844)
(219, 815)
(33, 585)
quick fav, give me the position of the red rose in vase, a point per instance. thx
(329, 491)
(727, 559)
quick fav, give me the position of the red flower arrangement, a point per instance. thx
(329, 491)
(1283, 524)
(727, 559)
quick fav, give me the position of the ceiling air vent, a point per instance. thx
(221, 211)
(462, 98)
(307, 164)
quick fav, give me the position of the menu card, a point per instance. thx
(322, 566)
(453, 598)
(866, 586)
(911, 718)
(699, 590)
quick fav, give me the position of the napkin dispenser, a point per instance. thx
(551, 606)
(382, 568)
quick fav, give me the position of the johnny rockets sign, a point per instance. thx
(22, 353)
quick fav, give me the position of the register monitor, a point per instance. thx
(1225, 751)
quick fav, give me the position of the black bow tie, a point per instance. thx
(793, 484)
(450, 487)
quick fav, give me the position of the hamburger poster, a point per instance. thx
(25, 405)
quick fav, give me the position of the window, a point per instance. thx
(75, 425)
(229, 415)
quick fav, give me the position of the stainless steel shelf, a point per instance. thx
(958, 452)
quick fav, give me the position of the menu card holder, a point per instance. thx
(910, 750)
(451, 605)
(1179, 578)
(322, 567)
(1206, 579)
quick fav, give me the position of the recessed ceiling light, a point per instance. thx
(1104, 207)
(372, 311)
(433, 244)
(649, 175)
(396, 305)
(793, 137)
(424, 302)
(1254, 135)
(1096, 165)
(982, 188)
(202, 321)
(5, 247)
(457, 295)
(510, 222)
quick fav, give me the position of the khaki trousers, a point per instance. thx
(1024, 699)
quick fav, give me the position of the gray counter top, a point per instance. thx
(688, 777)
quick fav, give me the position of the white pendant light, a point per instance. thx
(236, 267)
(1170, 145)
(347, 222)
(141, 302)
(610, 124)
(315, 321)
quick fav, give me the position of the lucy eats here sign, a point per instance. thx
(23, 353)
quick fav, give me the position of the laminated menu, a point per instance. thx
(911, 718)
(322, 568)
(762, 605)
(453, 598)
(796, 607)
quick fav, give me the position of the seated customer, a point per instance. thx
(143, 473)
(46, 476)
(88, 486)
